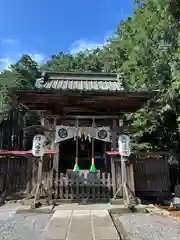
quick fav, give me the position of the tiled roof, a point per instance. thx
(83, 82)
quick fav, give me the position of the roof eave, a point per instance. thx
(143, 93)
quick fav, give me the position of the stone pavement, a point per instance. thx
(8, 210)
(81, 224)
(145, 226)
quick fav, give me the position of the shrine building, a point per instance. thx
(85, 113)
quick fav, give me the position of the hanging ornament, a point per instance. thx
(93, 167)
(76, 166)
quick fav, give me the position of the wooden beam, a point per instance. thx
(56, 110)
(113, 148)
(87, 117)
(78, 102)
(82, 98)
(56, 92)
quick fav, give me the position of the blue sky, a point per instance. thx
(42, 28)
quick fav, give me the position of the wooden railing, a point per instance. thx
(91, 186)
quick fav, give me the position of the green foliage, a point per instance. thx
(28, 71)
(20, 75)
(146, 49)
(87, 61)
(150, 43)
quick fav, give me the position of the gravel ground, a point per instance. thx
(141, 226)
(22, 226)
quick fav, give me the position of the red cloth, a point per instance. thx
(113, 153)
(4, 152)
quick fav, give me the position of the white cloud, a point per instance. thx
(8, 60)
(81, 45)
(9, 41)
(37, 57)
(5, 63)
(12, 50)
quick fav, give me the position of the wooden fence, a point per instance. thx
(72, 186)
(81, 186)
(18, 174)
(151, 174)
(13, 174)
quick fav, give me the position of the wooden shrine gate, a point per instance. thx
(82, 187)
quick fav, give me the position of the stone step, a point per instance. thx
(81, 225)
(117, 201)
(120, 209)
(58, 225)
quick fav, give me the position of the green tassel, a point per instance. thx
(93, 168)
(76, 168)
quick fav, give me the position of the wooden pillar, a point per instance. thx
(56, 157)
(40, 168)
(105, 156)
(130, 178)
(24, 133)
(29, 185)
(131, 174)
(55, 146)
(55, 167)
(29, 175)
(113, 148)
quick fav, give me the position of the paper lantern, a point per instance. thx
(38, 145)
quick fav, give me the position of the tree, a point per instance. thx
(28, 70)
(149, 41)
(20, 75)
(23, 74)
(145, 48)
(85, 61)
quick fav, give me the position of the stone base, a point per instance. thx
(118, 201)
(41, 210)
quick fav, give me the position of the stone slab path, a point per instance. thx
(81, 225)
